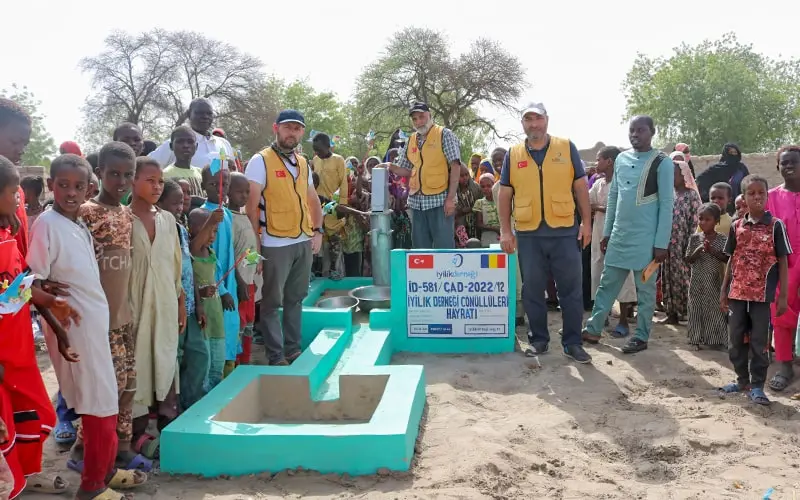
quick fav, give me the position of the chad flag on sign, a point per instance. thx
(493, 261)
(417, 261)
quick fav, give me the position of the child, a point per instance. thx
(158, 302)
(705, 254)
(203, 227)
(485, 209)
(758, 250)
(675, 270)
(186, 188)
(111, 226)
(183, 143)
(720, 194)
(783, 203)
(192, 348)
(741, 206)
(33, 188)
(598, 198)
(223, 249)
(130, 134)
(244, 241)
(62, 250)
(466, 223)
(94, 187)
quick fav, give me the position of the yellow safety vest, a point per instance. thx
(543, 189)
(431, 173)
(286, 197)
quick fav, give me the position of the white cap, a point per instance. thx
(534, 107)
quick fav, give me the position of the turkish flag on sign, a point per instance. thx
(280, 173)
(416, 261)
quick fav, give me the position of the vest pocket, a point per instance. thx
(282, 220)
(523, 211)
(435, 182)
(563, 205)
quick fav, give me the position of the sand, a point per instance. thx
(644, 426)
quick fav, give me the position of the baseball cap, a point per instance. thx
(534, 107)
(218, 132)
(418, 107)
(290, 116)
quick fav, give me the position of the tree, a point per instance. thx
(41, 147)
(717, 92)
(417, 65)
(150, 78)
(248, 119)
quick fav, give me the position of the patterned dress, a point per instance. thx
(707, 323)
(675, 272)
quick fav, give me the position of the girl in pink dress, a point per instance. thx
(784, 203)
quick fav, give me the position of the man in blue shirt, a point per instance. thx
(546, 181)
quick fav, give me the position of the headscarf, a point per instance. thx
(728, 169)
(489, 177)
(488, 164)
(684, 148)
(688, 178)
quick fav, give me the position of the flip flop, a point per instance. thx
(779, 382)
(126, 479)
(76, 465)
(140, 463)
(65, 433)
(732, 388)
(620, 332)
(147, 445)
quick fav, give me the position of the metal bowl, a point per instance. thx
(372, 297)
(340, 302)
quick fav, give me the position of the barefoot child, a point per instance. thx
(158, 302)
(111, 226)
(244, 242)
(203, 228)
(758, 248)
(783, 202)
(223, 249)
(192, 348)
(62, 250)
(705, 254)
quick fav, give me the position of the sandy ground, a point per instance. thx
(647, 426)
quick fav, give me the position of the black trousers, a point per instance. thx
(586, 260)
(753, 318)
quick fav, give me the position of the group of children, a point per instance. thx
(734, 279)
(158, 298)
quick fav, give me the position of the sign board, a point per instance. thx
(457, 295)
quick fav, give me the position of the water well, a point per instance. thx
(342, 407)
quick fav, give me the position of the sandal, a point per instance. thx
(620, 332)
(147, 445)
(732, 388)
(127, 479)
(65, 433)
(780, 382)
(140, 463)
(51, 484)
(109, 494)
(758, 397)
(76, 465)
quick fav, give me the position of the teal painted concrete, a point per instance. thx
(210, 440)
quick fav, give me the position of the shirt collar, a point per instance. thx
(765, 219)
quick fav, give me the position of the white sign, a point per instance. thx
(457, 295)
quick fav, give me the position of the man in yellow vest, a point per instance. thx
(546, 181)
(284, 208)
(432, 158)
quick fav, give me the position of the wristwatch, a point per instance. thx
(318, 230)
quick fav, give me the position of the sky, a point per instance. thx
(576, 52)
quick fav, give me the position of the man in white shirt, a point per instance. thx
(284, 208)
(201, 117)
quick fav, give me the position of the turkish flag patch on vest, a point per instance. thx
(280, 173)
(522, 164)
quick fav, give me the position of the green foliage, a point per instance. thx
(42, 146)
(717, 92)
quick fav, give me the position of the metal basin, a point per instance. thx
(340, 302)
(372, 297)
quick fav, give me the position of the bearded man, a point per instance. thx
(432, 158)
(284, 208)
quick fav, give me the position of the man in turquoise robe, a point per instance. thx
(637, 231)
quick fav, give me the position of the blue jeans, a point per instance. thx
(559, 256)
(194, 364)
(64, 414)
(431, 229)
